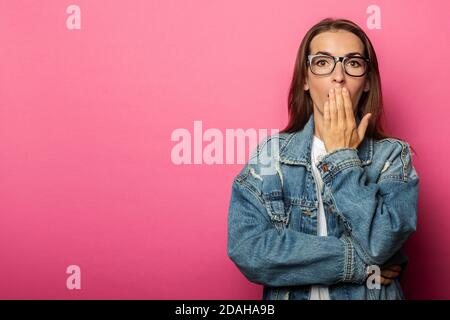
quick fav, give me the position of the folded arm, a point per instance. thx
(381, 216)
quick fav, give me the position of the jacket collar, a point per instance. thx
(297, 148)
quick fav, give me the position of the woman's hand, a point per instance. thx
(339, 122)
(389, 274)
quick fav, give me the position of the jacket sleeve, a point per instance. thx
(272, 257)
(379, 216)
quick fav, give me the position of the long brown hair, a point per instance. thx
(300, 105)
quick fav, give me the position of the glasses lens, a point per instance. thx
(355, 66)
(322, 65)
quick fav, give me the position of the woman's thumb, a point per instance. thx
(363, 125)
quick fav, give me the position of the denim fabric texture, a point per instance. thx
(370, 200)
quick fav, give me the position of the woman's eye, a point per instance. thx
(355, 64)
(319, 63)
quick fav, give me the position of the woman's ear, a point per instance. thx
(367, 86)
(306, 86)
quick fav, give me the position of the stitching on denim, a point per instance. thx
(249, 189)
(404, 161)
(341, 167)
(351, 260)
(340, 150)
(406, 166)
(288, 139)
(266, 140)
(348, 259)
(338, 212)
(392, 177)
(366, 256)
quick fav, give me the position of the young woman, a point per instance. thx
(322, 210)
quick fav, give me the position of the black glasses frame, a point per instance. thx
(336, 60)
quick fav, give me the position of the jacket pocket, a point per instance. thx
(272, 194)
(308, 220)
(275, 208)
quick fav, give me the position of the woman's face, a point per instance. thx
(336, 43)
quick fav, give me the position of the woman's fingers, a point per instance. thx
(385, 281)
(326, 115)
(341, 120)
(333, 110)
(394, 268)
(340, 108)
(348, 107)
(363, 126)
(387, 273)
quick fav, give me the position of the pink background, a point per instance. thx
(86, 118)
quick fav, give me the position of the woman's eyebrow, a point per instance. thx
(348, 54)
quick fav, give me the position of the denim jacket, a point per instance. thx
(370, 201)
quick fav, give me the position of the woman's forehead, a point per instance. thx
(336, 43)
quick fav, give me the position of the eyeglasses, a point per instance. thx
(322, 65)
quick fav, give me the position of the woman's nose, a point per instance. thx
(338, 72)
